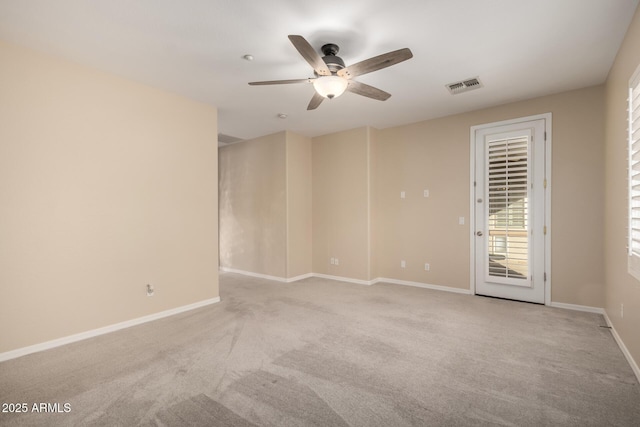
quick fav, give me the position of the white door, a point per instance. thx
(509, 202)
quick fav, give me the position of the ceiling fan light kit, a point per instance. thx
(330, 86)
(333, 78)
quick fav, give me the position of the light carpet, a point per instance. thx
(325, 353)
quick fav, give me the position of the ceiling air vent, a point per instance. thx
(227, 139)
(464, 86)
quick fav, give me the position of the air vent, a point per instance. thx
(227, 139)
(464, 86)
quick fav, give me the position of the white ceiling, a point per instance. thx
(518, 48)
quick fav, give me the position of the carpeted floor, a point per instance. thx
(325, 353)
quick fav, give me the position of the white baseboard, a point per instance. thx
(251, 274)
(101, 331)
(301, 277)
(349, 280)
(266, 276)
(423, 285)
(623, 348)
(576, 307)
(295, 279)
(344, 279)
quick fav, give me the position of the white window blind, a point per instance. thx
(634, 174)
(508, 195)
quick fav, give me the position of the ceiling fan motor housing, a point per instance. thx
(334, 63)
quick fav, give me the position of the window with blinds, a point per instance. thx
(634, 174)
(508, 205)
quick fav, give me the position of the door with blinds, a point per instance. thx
(510, 229)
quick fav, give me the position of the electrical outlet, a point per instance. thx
(427, 267)
(403, 264)
(332, 261)
(402, 194)
(150, 290)
(426, 193)
(461, 220)
(337, 261)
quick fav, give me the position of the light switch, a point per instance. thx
(461, 220)
(403, 264)
(426, 193)
(402, 194)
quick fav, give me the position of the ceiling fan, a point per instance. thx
(332, 77)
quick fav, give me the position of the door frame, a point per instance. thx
(547, 198)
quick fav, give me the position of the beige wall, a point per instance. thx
(298, 205)
(265, 205)
(340, 183)
(357, 210)
(621, 288)
(374, 232)
(434, 155)
(253, 211)
(431, 155)
(360, 219)
(105, 185)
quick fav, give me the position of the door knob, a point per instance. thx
(479, 233)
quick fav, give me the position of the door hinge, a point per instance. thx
(545, 135)
(544, 183)
(545, 276)
(544, 230)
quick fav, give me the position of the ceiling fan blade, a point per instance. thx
(310, 55)
(376, 63)
(281, 82)
(368, 91)
(315, 101)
